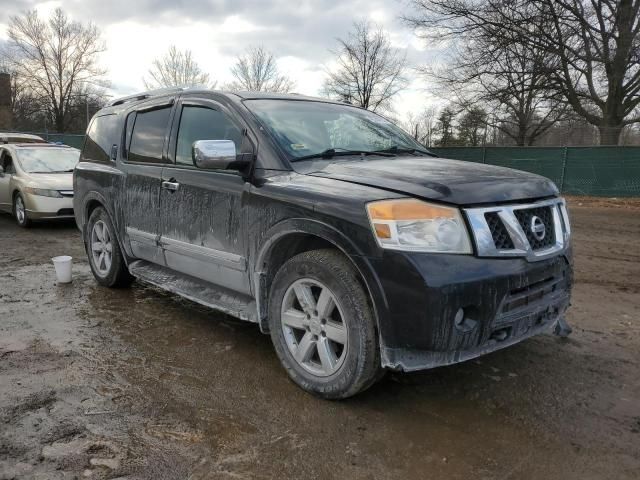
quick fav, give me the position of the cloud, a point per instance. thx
(301, 33)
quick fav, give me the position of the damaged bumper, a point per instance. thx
(437, 310)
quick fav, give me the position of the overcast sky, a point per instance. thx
(300, 33)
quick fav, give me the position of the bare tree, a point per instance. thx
(487, 65)
(176, 68)
(257, 71)
(593, 47)
(369, 71)
(54, 60)
(421, 126)
(597, 43)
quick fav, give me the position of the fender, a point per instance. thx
(326, 232)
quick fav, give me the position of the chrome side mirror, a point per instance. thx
(214, 154)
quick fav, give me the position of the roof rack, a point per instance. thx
(144, 95)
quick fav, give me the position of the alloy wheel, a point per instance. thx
(21, 214)
(314, 327)
(101, 248)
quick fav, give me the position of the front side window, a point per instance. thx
(304, 128)
(147, 137)
(48, 159)
(202, 123)
(7, 163)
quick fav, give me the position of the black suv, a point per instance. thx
(355, 248)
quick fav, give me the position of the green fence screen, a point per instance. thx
(597, 171)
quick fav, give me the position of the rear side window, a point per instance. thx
(103, 133)
(147, 137)
(202, 123)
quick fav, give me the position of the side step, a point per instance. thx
(204, 293)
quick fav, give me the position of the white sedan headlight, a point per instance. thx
(43, 192)
(414, 225)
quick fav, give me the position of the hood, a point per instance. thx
(53, 181)
(450, 181)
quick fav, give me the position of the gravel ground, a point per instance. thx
(139, 384)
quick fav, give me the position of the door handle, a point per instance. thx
(170, 185)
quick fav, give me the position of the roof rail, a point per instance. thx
(144, 95)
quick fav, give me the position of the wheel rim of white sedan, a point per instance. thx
(20, 213)
(314, 327)
(101, 247)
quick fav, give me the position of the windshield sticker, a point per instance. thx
(298, 146)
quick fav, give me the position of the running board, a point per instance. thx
(196, 290)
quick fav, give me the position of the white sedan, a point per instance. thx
(36, 181)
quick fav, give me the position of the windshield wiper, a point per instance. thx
(332, 152)
(396, 149)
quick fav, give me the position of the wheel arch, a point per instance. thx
(92, 201)
(294, 236)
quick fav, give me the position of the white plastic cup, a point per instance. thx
(63, 268)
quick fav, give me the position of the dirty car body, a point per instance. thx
(455, 259)
(36, 181)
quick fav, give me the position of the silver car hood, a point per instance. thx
(53, 181)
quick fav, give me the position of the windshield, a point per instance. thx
(48, 160)
(307, 128)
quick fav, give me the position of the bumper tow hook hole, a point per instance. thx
(501, 334)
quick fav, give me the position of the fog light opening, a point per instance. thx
(459, 319)
(462, 322)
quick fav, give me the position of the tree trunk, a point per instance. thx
(58, 120)
(610, 134)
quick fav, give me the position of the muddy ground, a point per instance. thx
(138, 384)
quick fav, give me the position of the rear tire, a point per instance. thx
(20, 211)
(105, 257)
(322, 326)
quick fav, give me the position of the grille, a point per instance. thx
(506, 230)
(530, 294)
(524, 217)
(499, 233)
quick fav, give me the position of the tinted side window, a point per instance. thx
(147, 138)
(103, 133)
(201, 123)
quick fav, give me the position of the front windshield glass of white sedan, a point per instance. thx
(307, 128)
(48, 160)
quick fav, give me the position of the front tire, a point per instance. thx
(322, 325)
(105, 257)
(20, 211)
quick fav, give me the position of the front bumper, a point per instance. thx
(437, 309)
(46, 208)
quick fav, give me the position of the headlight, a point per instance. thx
(43, 192)
(409, 224)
